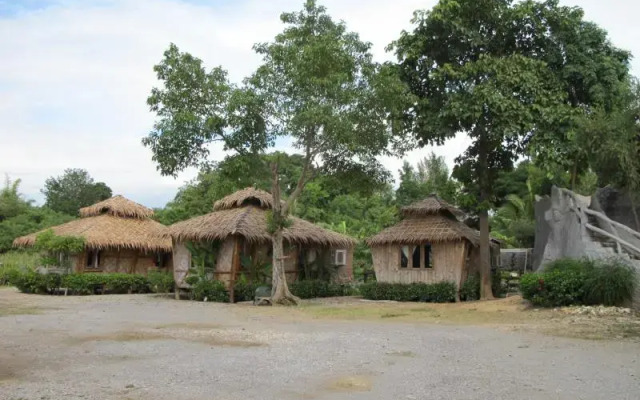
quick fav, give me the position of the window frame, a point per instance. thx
(410, 257)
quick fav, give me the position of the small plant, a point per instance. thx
(441, 292)
(470, 289)
(58, 248)
(160, 281)
(574, 282)
(210, 291)
(310, 289)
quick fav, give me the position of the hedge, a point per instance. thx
(580, 282)
(88, 283)
(441, 292)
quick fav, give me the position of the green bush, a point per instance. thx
(311, 289)
(470, 289)
(497, 288)
(160, 281)
(30, 281)
(574, 282)
(116, 283)
(244, 291)
(210, 290)
(441, 292)
(611, 283)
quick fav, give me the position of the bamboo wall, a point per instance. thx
(448, 264)
(181, 263)
(122, 261)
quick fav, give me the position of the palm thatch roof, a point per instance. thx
(243, 197)
(432, 205)
(117, 206)
(427, 228)
(244, 214)
(430, 220)
(120, 225)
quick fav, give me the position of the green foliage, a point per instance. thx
(611, 283)
(49, 241)
(160, 281)
(570, 282)
(116, 283)
(470, 289)
(244, 290)
(11, 201)
(431, 177)
(15, 261)
(19, 218)
(29, 281)
(310, 289)
(255, 269)
(210, 290)
(442, 292)
(73, 190)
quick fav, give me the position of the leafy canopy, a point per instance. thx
(73, 190)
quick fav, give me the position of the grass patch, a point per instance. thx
(17, 310)
(189, 325)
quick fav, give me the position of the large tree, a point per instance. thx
(506, 74)
(317, 85)
(73, 190)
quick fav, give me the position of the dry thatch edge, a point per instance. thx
(236, 200)
(118, 206)
(430, 228)
(430, 206)
(250, 223)
(108, 231)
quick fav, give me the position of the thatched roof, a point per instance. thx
(117, 206)
(243, 197)
(430, 220)
(121, 225)
(432, 205)
(244, 214)
(427, 228)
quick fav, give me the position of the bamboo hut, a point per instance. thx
(120, 236)
(238, 225)
(430, 244)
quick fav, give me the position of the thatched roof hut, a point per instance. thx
(115, 223)
(244, 213)
(239, 225)
(429, 244)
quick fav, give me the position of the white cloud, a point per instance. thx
(74, 77)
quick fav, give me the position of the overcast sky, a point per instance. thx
(75, 75)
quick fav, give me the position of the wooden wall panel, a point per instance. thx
(448, 262)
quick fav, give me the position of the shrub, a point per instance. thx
(160, 281)
(572, 282)
(441, 292)
(611, 283)
(244, 291)
(117, 283)
(470, 289)
(30, 281)
(310, 289)
(210, 290)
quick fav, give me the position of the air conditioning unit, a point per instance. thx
(340, 257)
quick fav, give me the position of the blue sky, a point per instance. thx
(75, 75)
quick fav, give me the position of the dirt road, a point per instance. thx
(144, 347)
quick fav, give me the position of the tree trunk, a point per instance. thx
(280, 293)
(485, 253)
(486, 292)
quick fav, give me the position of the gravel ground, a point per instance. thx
(144, 347)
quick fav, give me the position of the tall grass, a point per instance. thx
(16, 260)
(611, 283)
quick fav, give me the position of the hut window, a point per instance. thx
(404, 256)
(93, 259)
(428, 260)
(416, 257)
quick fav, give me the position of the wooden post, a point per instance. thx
(235, 264)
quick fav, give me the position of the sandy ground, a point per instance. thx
(145, 347)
